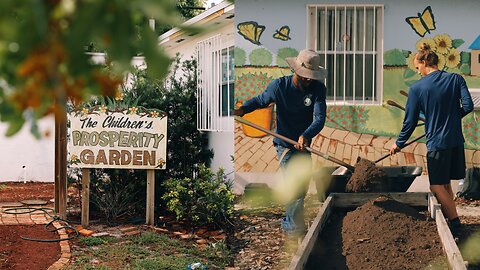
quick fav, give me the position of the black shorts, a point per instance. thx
(445, 165)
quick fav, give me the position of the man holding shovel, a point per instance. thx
(444, 99)
(301, 111)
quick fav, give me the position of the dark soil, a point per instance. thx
(19, 254)
(18, 191)
(381, 234)
(367, 178)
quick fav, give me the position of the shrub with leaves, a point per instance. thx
(117, 193)
(283, 53)
(206, 199)
(260, 57)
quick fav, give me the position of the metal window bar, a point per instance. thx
(335, 57)
(355, 53)
(344, 52)
(368, 40)
(374, 50)
(363, 58)
(210, 96)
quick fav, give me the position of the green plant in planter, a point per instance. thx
(206, 199)
(249, 85)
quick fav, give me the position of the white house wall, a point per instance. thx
(25, 158)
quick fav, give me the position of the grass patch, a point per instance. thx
(3, 186)
(149, 250)
(91, 241)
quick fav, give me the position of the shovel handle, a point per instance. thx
(395, 104)
(290, 141)
(403, 93)
(405, 145)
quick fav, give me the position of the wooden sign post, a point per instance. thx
(133, 138)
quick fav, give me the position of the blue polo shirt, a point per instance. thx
(444, 99)
(298, 113)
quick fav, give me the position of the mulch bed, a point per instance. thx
(19, 254)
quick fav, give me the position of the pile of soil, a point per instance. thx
(381, 234)
(387, 234)
(367, 178)
(19, 254)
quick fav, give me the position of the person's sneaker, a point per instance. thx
(291, 228)
(455, 227)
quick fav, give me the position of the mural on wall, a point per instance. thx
(356, 130)
(423, 23)
(475, 57)
(251, 31)
(282, 33)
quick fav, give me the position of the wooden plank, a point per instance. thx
(150, 197)
(454, 256)
(85, 197)
(303, 252)
(357, 199)
(61, 164)
(433, 205)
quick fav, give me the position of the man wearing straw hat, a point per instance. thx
(301, 111)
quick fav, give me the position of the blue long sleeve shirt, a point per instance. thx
(444, 99)
(298, 113)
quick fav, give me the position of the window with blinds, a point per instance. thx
(349, 39)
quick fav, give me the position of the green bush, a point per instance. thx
(260, 57)
(206, 199)
(284, 53)
(394, 57)
(240, 57)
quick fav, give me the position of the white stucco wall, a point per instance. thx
(37, 155)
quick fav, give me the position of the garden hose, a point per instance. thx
(28, 210)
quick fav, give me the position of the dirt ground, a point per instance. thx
(19, 254)
(17, 191)
(257, 242)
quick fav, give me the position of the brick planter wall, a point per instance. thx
(258, 154)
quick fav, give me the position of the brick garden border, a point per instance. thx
(41, 219)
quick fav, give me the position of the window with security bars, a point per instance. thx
(215, 97)
(349, 39)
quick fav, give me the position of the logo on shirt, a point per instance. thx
(307, 100)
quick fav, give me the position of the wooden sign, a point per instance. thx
(128, 139)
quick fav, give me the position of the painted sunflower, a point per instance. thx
(410, 59)
(429, 41)
(453, 58)
(441, 61)
(444, 43)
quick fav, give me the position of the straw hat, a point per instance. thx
(307, 65)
